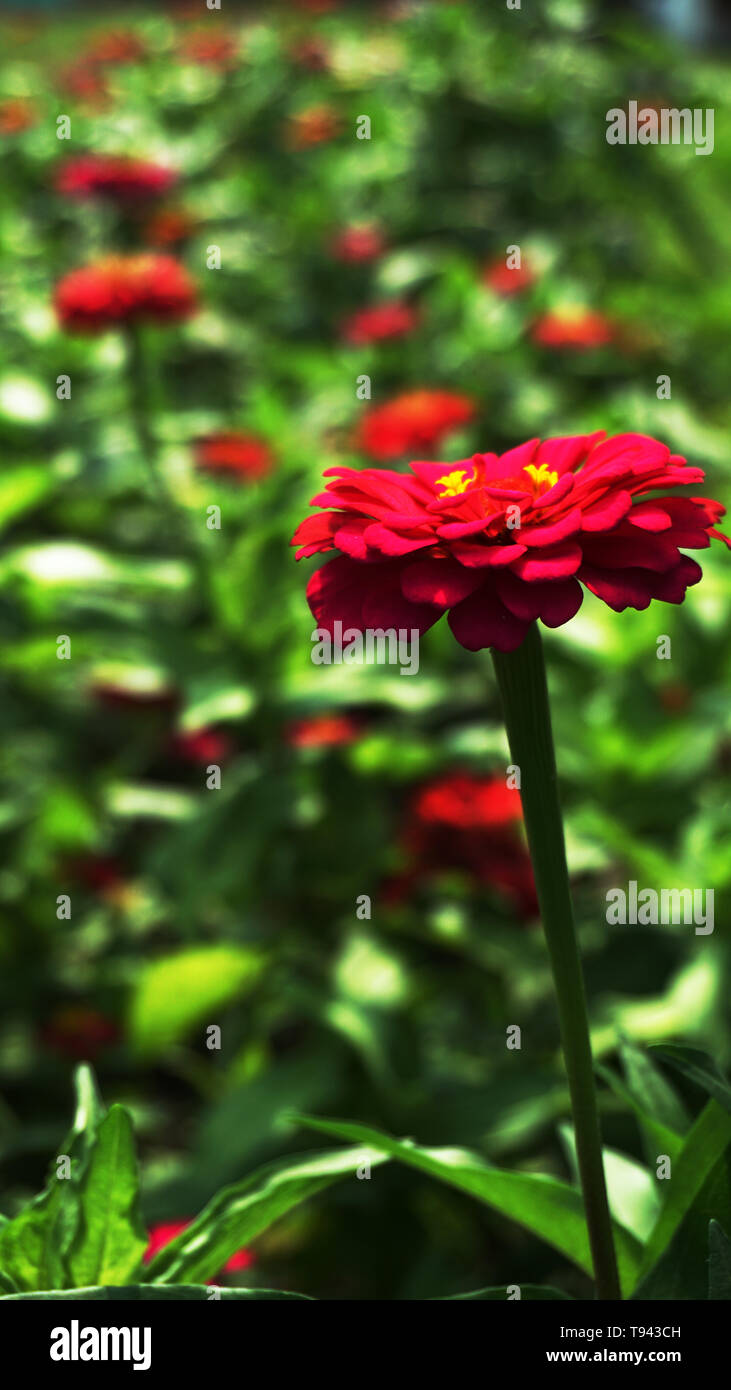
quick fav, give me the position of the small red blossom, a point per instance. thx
(414, 421)
(86, 83)
(78, 1033)
(125, 290)
(17, 115)
(360, 242)
(507, 280)
(573, 328)
(211, 50)
(322, 731)
(499, 541)
(114, 177)
(313, 126)
(311, 53)
(100, 873)
(116, 47)
(241, 456)
(380, 323)
(160, 1236)
(469, 823)
(201, 746)
(169, 226)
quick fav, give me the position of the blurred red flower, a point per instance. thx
(322, 731)
(116, 46)
(313, 126)
(501, 541)
(505, 281)
(100, 873)
(311, 53)
(169, 226)
(84, 82)
(201, 746)
(78, 1032)
(161, 1235)
(16, 115)
(113, 176)
(415, 421)
(573, 328)
(242, 456)
(212, 50)
(380, 322)
(470, 823)
(123, 290)
(360, 242)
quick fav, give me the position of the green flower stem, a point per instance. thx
(522, 680)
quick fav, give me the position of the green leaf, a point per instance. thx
(110, 1241)
(178, 991)
(695, 1186)
(550, 1209)
(631, 1190)
(128, 1293)
(719, 1262)
(658, 1139)
(699, 1068)
(34, 1245)
(528, 1293)
(651, 1089)
(239, 1213)
(21, 488)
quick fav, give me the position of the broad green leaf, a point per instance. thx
(652, 1090)
(33, 1246)
(550, 1209)
(178, 991)
(239, 1213)
(658, 1139)
(703, 1149)
(110, 1240)
(128, 1293)
(528, 1293)
(699, 1068)
(631, 1190)
(719, 1262)
(21, 488)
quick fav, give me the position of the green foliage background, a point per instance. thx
(239, 905)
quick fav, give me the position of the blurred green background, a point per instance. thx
(191, 646)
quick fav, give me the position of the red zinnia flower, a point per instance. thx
(574, 328)
(212, 50)
(313, 126)
(16, 115)
(161, 1235)
(379, 323)
(86, 83)
(201, 746)
(362, 242)
(113, 176)
(322, 731)
(504, 280)
(116, 46)
(501, 541)
(415, 420)
(124, 289)
(461, 821)
(241, 456)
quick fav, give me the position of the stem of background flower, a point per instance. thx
(522, 680)
(140, 385)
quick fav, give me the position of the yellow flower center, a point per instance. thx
(541, 476)
(454, 483)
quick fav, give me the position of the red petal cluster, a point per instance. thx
(381, 322)
(111, 176)
(498, 541)
(239, 455)
(323, 731)
(574, 329)
(360, 242)
(313, 126)
(124, 289)
(469, 823)
(414, 421)
(506, 281)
